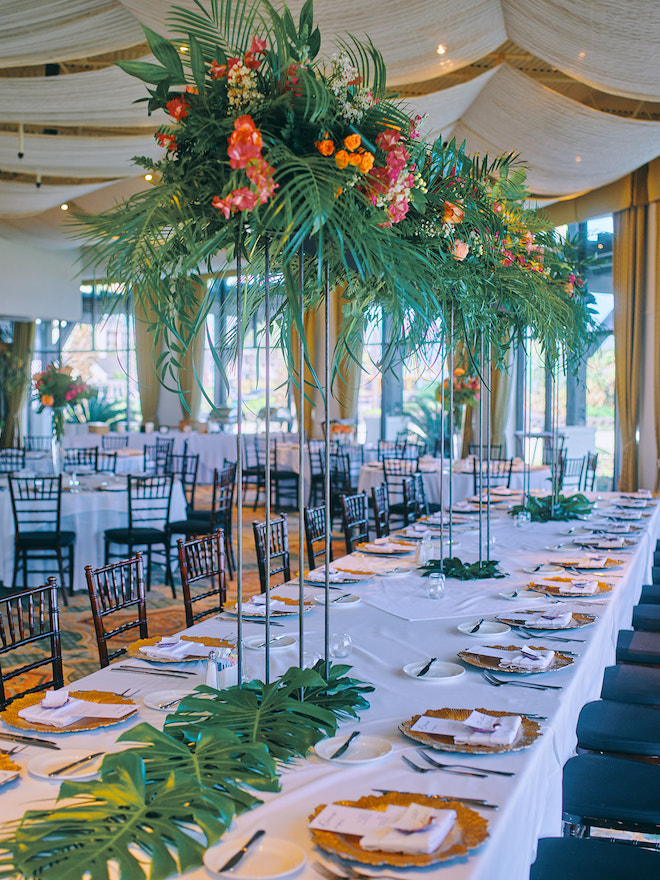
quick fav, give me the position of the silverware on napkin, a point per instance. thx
(426, 668)
(138, 670)
(235, 859)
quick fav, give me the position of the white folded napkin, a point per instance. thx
(382, 545)
(317, 575)
(174, 649)
(580, 586)
(73, 710)
(553, 617)
(529, 659)
(256, 605)
(492, 730)
(418, 830)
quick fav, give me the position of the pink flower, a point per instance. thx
(70, 394)
(244, 199)
(260, 173)
(388, 139)
(460, 250)
(509, 259)
(223, 205)
(251, 62)
(217, 70)
(258, 46)
(571, 278)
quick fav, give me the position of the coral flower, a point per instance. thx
(244, 199)
(216, 70)
(177, 108)
(355, 159)
(352, 142)
(341, 158)
(453, 213)
(223, 205)
(166, 140)
(460, 250)
(388, 139)
(244, 143)
(366, 162)
(47, 399)
(251, 62)
(325, 147)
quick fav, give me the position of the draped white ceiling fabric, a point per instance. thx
(609, 45)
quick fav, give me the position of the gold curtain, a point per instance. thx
(628, 277)
(343, 401)
(145, 356)
(22, 349)
(189, 383)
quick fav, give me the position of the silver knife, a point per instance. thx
(426, 668)
(30, 740)
(342, 748)
(59, 770)
(138, 670)
(235, 859)
(475, 802)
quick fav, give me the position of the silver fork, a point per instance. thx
(419, 769)
(480, 771)
(539, 634)
(349, 873)
(497, 682)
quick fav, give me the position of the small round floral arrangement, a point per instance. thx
(56, 388)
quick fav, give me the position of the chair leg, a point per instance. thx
(60, 566)
(17, 561)
(130, 553)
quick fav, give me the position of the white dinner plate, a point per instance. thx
(440, 671)
(8, 776)
(41, 765)
(256, 643)
(269, 858)
(159, 699)
(362, 750)
(489, 628)
(345, 600)
(544, 568)
(521, 595)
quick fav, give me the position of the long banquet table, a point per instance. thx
(396, 624)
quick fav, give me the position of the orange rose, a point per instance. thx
(453, 214)
(352, 142)
(366, 162)
(354, 159)
(341, 158)
(47, 399)
(460, 250)
(325, 148)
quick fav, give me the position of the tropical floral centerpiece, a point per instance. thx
(56, 389)
(465, 391)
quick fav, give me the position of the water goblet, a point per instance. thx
(435, 585)
(340, 645)
(522, 519)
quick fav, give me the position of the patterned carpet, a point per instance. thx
(165, 614)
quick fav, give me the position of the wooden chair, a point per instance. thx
(355, 519)
(36, 443)
(201, 559)
(149, 501)
(413, 450)
(381, 510)
(156, 457)
(37, 505)
(388, 449)
(114, 441)
(409, 501)
(498, 474)
(117, 590)
(589, 477)
(106, 462)
(12, 459)
(87, 458)
(572, 473)
(185, 467)
(280, 558)
(29, 626)
(495, 451)
(395, 471)
(316, 535)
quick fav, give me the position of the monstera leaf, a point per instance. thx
(213, 757)
(562, 507)
(259, 713)
(147, 832)
(339, 694)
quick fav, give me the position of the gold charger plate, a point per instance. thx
(375, 549)
(578, 620)
(559, 661)
(232, 608)
(553, 590)
(609, 563)
(133, 649)
(469, 831)
(530, 731)
(10, 715)
(7, 764)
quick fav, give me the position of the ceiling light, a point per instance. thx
(37, 320)
(441, 49)
(578, 158)
(183, 48)
(64, 207)
(148, 177)
(582, 54)
(600, 245)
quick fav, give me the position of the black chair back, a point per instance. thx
(316, 535)
(202, 559)
(114, 441)
(355, 519)
(11, 459)
(381, 510)
(280, 559)
(84, 457)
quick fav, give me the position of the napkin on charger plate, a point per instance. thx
(174, 649)
(584, 586)
(492, 730)
(317, 575)
(257, 605)
(555, 617)
(529, 659)
(58, 709)
(414, 829)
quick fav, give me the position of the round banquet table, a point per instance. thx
(462, 481)
(88, 512)
(394, 624)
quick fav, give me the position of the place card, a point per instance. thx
(350, 820)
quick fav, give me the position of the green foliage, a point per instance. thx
(453, 567)
(100, 409)
(561, 507)
(152, 801)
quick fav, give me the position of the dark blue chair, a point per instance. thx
(619, 728)
(572, 858)
(638, 647)
(632, 683)
(646, 617)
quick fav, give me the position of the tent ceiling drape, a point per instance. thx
(514, 75)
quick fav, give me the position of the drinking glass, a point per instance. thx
(340, 645)
(435, 585)
(522, 519)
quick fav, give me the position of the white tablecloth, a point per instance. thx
(88, 514)
(462, 481)
(383, 642)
